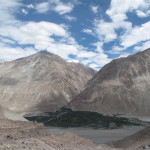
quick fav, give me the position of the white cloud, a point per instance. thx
(63, 50)
(7, 9)
(94, 9)
(93, 65)
(86, 54)
(100, 59)
(42, 7)
(30, 6)
(88, 31)
(98, 46)
(125, 54)
(145, 45)
(55, 38)
(137, 34)
(142, 14)
(10, 53)
(73, 60)
(40, 35)
(70, 18)
(57, 6)
(24, 11)
(105, 31)
(63, 9)
(33, 33)
(119, 7)
(116, 50)
(129, 35)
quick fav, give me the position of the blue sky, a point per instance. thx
(89, 31)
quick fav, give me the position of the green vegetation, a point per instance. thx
(68, 118)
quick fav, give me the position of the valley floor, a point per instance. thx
(25, 135)
(98, 136)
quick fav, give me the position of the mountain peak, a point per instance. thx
(45, 52)
(120, 87)
(45, 82)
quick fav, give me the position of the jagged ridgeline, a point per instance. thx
(41, 82)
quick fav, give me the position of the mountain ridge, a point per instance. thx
(122, 86)
(40, 82)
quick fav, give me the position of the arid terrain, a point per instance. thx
(24, 135)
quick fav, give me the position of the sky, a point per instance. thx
(92, 32)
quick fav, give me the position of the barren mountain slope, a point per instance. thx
(139, 141)
(40, 82)
(122, 86)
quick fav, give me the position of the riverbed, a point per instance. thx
(98, 136)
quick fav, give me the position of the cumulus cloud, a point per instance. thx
(138, 34)
(36, 36)
(118, 7)
(143, 46)
(7, 10)
(97, 61)
(141, 14)
(105, 31)
(88, 31)
(42, 7)
(24, 11)
(63, 9)
(70, 18)
(19, 39)
(41, 36)
(130, 35)
(30, 6)
(57, 6)
(9, 53)
(94, 9)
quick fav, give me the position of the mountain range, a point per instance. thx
(120, 87)
(41, 82)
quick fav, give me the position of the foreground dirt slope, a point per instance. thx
(41, 82)
(20, 135)
(139, 141)
(122, 86)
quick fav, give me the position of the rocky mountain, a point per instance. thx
(41, 82)
(122, 86)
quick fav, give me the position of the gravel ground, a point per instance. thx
(23, 135)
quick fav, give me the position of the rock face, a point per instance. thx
(122, 86)
(41, 82)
